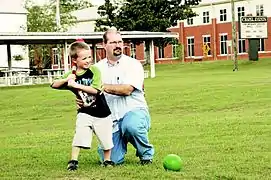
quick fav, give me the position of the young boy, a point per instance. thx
(85, 83)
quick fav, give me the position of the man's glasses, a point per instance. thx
(115, 42)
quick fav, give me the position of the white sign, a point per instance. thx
(253, 27)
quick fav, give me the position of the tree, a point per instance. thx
(67, 6)
(42, 19)
(145, 15)
(108, 13)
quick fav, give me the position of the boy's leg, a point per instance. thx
(135, 127)
(107, 155)
(120, 146)
(82, 138)
(73, 163)
(75, 153)
(103, 128)
(83, 132)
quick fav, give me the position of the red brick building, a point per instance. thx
(213, 26)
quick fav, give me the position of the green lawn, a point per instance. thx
(217, 120)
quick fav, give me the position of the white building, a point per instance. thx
(13, 18)
(85, 20)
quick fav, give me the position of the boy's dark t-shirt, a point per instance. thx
(97, 103)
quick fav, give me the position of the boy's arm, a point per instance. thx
(59, 83)
(87, 89)
(96, 85)
(97, 78)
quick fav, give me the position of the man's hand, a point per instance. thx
(79, 103)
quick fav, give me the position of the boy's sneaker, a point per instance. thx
(72, 165)
(108, 163)
(145, 161)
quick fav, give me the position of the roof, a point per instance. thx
(23, 38)
(204, 3)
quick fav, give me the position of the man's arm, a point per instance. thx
(115, 89)
(134, 78)
(119, 89)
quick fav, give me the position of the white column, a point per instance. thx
(94, 52)
(66, 57)
(152, 63)
(9, 57)
(7, 78)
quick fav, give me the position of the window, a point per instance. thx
(175, 50)
(189, 21)
(190, 46)
(223, 44)
(207, 41)
(161, 52)
(133, 50)
(206, 18)
(259, 10)
(223, 15)
(241, 45)
(55, 56)
(241, 12)
(261, 45)
(241, 42)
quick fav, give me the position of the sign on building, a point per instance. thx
(253, 27)
(205, 49)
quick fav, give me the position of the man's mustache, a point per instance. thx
(118, 48)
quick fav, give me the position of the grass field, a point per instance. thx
(217, 120)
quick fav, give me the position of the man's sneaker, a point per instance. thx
(72, 165)
(145, 161)
(108, 163)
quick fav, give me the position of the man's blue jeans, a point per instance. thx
(133, 128)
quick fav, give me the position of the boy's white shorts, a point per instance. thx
(86, 125)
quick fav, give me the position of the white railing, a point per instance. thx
(32, 80)
(26, 80)
(146, 74)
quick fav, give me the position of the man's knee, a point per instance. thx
(133, 130)
(134, 127)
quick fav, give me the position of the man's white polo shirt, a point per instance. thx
(127, 70)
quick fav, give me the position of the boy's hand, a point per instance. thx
(71, 76)
(72, 83)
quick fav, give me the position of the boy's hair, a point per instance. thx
(110, 30)
(75, 46)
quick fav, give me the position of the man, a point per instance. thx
(123, 78)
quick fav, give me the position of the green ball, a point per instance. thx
(173, 162)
